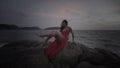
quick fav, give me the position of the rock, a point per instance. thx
(92, 56)
(110, 58)
(69, 56)
(24, 57)
(84, 64)
(101, 66)
(30, 54)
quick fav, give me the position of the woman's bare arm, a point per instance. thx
(72, 34)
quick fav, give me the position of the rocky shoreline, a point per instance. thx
(30, 54)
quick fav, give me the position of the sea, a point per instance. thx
(108, 39)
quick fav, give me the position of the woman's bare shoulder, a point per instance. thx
(69, 28)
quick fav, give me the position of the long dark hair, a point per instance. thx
(62, 27)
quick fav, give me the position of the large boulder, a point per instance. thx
(23, 54)
(30, 54)
(73, 54)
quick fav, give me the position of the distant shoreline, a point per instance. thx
(15, 27)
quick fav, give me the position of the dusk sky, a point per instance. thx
(81, 14)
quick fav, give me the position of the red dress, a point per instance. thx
(54, 48)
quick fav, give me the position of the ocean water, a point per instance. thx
(109, 39)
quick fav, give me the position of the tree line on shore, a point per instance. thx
(15, 27)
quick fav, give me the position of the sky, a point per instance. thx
(80, 14)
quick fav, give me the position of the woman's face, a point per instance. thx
(63, 24)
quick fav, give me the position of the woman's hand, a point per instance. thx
(73, 42)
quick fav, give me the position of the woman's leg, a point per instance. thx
(58, 36)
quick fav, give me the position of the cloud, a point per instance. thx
(89, 13)
(11, 13)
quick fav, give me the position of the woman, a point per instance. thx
(61, 38)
